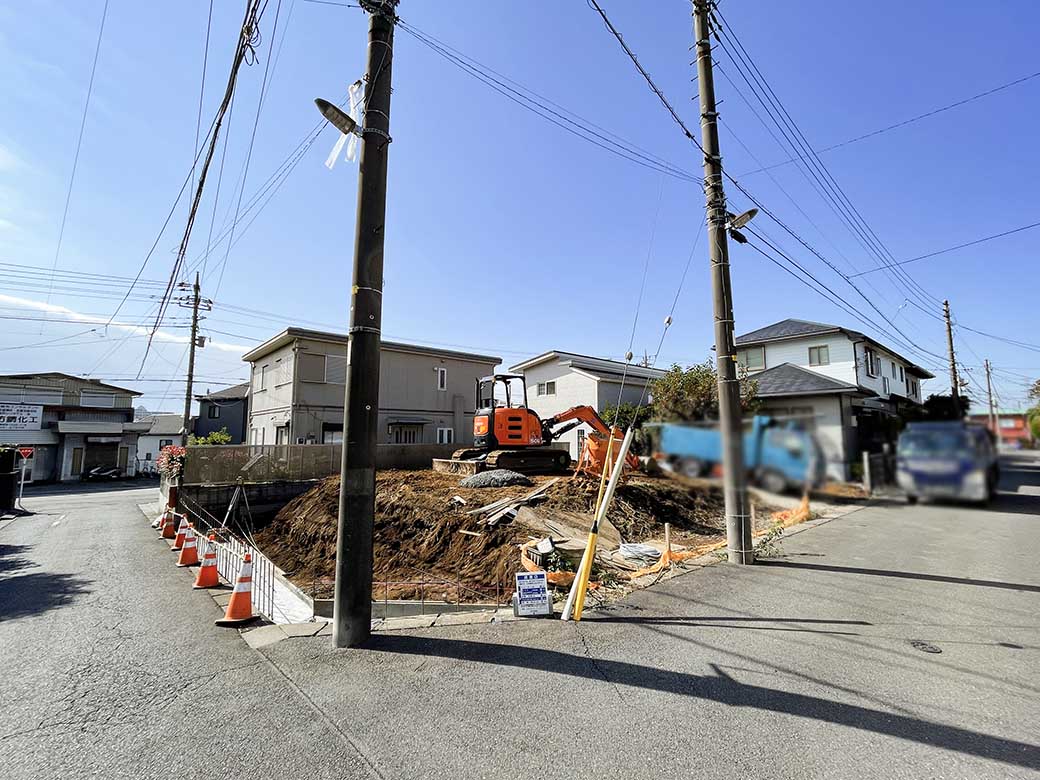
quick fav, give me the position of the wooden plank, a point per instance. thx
(492, 506)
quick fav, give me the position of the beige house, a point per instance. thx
(426, 395)
(72, 424)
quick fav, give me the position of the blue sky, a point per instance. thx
(505, 233)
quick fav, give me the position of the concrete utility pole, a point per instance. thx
(954, 381)
(352, 606)
(738, 517)
(186, 419)
(989, 392)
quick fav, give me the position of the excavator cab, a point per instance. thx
(502, 418)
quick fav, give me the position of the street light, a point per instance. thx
(735, 222)
(337, 117)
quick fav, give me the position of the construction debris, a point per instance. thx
(495, 478)
(417, 535)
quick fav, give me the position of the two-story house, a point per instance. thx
(558, 380)
(226, 409)
(844, 384)
(72, 424)
(426, 395)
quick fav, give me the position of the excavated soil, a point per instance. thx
(417, 530)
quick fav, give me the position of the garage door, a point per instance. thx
(100, 455)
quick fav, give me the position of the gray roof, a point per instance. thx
(603, 368)
(789, 379)
(790, 328)
(232, 393)
(166, 425)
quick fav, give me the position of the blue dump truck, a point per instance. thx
(778, 454)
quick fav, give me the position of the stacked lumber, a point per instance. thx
(506, 508)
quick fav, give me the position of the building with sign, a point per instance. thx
(72, 424)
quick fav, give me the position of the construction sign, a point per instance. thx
(532, 594)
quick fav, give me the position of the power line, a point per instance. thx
(951, 249)
(79, 139)
(905, 122)
(836, 197)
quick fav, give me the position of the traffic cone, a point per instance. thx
(157, 522)
(208, 577)
(190, 552)
(182, 530)
(169, 526)
(240, 607)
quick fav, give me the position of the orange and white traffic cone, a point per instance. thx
(169, 526)
(240, 607)
(157, 522)
(190, 551)
(182, 531)
(208, 577)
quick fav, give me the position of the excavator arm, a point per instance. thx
(593, 458)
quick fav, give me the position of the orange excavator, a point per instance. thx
(509, 435)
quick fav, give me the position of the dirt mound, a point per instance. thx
(417, 529)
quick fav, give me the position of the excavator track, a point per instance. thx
(529, 460)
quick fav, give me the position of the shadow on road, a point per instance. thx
(713, 621)
(721, 688)
(905, 575)
(23, 595)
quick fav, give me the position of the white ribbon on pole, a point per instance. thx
(350, 140)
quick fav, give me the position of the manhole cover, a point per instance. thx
(923, 646)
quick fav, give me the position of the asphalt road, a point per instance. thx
(814, 664)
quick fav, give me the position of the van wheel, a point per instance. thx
(691, 467)
(772, 481)
(911, 500)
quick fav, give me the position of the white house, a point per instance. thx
(557, 380)
(163, 431)
(846, 385)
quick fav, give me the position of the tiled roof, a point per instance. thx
(786, 329)
(789, 379)
(228, 393)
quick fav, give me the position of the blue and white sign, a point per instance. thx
(532, 594)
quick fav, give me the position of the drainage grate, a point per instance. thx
(923, 646)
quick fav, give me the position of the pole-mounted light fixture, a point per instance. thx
(736, 222)
(337, 117)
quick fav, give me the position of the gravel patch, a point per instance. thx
(494, 479)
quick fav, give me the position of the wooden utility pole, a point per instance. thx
(993, 421)
(738, 516)
(352, 604)
(955, 387)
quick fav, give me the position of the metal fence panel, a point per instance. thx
(227, 464)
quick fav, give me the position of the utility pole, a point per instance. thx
(989, 392)
(186, 419)
(738, 517)
(954, 381)
(352, 605)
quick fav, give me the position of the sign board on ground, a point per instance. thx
(25, 452)
(20, 417)
(532, 594)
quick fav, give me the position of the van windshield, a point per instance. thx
(933, 444)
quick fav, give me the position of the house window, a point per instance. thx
(405, 434)
(581, 442)
(872, 361)
(312, 368)
(260, 379)
(752, 358)
(148, 456)
(442, 378)
(332, 433)
(893, 369)
(213, 412)
(819, 356)
(104, 400)
(546, 388)
(165, 443)
(336, 369)
(884, 384)
(445, 435)
(281, 434)
(902, 375)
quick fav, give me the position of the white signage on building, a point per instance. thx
(532, 594)
(20, 417)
